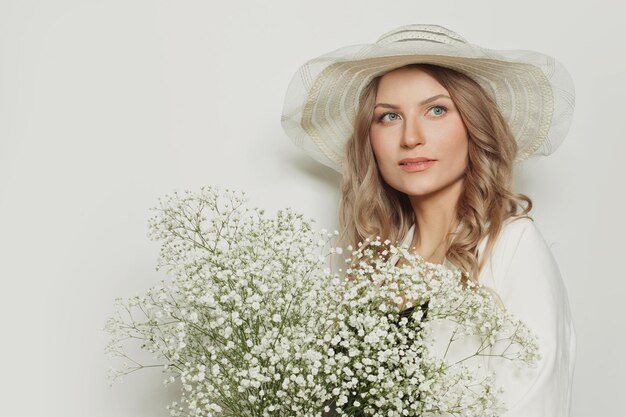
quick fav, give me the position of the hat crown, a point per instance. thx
(421, 32)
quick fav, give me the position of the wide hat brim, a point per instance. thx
(534, 92)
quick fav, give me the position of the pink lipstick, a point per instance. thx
(416, 164)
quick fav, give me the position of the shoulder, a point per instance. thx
(529, 243)
(518, 226)
(518, 231)
(519, 248)
(509, 236)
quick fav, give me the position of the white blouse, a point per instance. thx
(524, 273)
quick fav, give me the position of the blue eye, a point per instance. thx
(443, 109)
(389, 114)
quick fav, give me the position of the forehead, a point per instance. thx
(408, 81)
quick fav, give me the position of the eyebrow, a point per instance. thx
(421, 103)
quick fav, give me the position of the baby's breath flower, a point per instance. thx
(255, 323)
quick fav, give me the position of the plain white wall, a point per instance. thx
(107, 105)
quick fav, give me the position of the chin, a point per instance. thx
(424, 188)
(420, 192)
(417, 190)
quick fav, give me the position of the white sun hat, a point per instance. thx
(534, 92)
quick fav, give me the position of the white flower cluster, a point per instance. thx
(391, 323)
(254, 324)
(242, 324)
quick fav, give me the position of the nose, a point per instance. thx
(412, 134)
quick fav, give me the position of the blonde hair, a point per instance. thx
(369, 207)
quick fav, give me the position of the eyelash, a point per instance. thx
(380, 119)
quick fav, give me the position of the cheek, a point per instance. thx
(384, 157)
(457, 145)
(460, 156)
(380, 151)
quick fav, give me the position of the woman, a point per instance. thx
(425, 129)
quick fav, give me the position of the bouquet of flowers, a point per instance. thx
(254, 323)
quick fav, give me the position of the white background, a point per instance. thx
(107, 105)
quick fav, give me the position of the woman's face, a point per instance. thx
(414, 117)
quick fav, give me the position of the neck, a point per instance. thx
(435, 215)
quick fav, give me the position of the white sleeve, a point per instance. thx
(528, 280)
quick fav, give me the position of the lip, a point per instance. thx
(421, 165)
(418, 159)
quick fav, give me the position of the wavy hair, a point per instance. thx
(369, 207)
